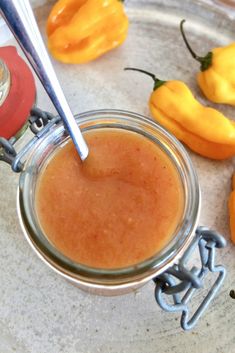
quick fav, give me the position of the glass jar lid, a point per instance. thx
(5, 81)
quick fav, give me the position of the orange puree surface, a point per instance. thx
(117, 208)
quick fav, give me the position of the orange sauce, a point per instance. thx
(117, 208)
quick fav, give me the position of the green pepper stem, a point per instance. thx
(205, 61)
(157, 82)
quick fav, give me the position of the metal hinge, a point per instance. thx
(39, 122)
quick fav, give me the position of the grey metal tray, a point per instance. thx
(39, 311)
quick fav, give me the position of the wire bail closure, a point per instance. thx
(178, 278)
(39, 122)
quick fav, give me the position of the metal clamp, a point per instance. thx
(7, 150)
(178, 279)
(40, 123)
(39, 119)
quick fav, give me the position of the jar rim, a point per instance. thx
(151, 267)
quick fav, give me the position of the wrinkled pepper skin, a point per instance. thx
(218, 81)
(217, 77)
(82, 30)
(204, 130)
(197, 144)
(175, 100)
(231, 206)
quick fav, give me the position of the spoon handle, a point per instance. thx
(20, 19)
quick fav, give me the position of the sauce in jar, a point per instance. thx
(118, 208)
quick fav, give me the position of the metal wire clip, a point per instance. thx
(39, 123)
(178, 278)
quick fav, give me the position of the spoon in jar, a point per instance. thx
(19, 16)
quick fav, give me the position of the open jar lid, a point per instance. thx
(18, 92)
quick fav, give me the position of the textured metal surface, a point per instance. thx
(39, 311)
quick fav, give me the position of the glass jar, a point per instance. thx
(100, 281)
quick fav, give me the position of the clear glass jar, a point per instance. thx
(117, 281)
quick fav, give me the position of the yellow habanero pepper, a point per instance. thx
(205, 130)
(82, 30)
(217, 76)
(231, 206)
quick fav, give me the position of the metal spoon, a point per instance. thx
(20, 19)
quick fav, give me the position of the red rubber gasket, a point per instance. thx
(15, 110)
